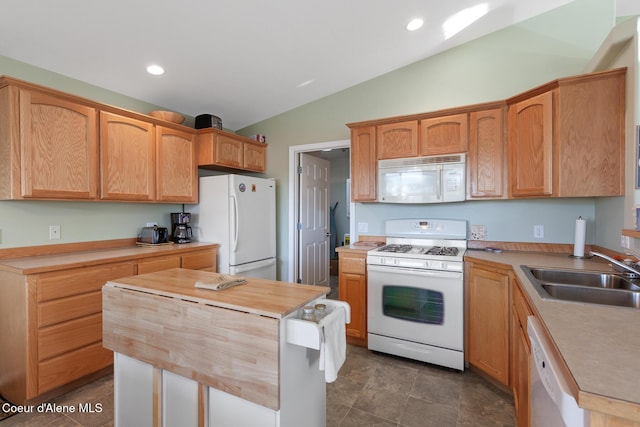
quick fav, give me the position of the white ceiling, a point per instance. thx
(242, 60)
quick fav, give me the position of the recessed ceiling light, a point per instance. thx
(415, 24)
(156, 70)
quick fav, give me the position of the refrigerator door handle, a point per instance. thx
(234, 204)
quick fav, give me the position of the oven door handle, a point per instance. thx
(415, 271)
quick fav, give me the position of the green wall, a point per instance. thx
(499, 65)
(556, 44)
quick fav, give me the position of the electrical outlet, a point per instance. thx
(151, 223)
(625, 242)
(54, 232)
(538, 231)
(363, 227)
(478, 232)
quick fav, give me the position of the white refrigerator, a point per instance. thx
(239, 213)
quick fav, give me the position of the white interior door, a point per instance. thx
(313, 220)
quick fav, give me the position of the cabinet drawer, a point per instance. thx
(199, 260)
(63, 309)
(158, 264)
(71, 366)
(355, 265)
(80, 280)
(68, 336)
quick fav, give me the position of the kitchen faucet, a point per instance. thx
(630, 270)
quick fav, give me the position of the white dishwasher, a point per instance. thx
(551, 401)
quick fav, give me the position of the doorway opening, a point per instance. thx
(338, 204)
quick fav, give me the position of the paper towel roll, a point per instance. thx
(580, 234)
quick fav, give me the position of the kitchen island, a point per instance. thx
(238, 356)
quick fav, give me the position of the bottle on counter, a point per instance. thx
(308, 313)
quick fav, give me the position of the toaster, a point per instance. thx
(154, 235)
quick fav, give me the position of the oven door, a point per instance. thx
(422, 306)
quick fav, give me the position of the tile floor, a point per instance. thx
(372, 389)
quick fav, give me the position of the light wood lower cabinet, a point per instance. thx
(52, 321)
(200, 260)
(488, 319)
(352, 288)
(520, 355)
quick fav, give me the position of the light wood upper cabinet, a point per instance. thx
(219, 149)
(397, 140)
(589, 135)
(567, 139)
(127, 158)
(531, 146)
(444, 135)
(48, 147)
(255, 157)
(176, 173)
(364, 164)
(486, 157)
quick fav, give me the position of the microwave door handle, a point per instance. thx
(439, 182)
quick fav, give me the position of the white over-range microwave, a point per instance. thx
(432, 179)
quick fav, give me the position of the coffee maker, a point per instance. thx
(180, 228)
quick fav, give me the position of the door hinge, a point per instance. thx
(299, 169)
(299, 226)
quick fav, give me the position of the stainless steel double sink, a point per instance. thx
(585, 286)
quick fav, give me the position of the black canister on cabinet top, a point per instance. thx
(208, 121)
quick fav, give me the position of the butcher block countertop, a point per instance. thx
(229, 339)
(258, 296)
(62, 261)
(600, 344)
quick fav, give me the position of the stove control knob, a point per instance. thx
(444, 265)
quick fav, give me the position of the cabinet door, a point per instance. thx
(127, 158)
(59, 148)
(397, 140)
(590, 150)
(520, 357)
(364, 165)
(352, 288)
(444, 135)
(486, 157)
(255, 157)
(530, 125)
(176, 170)
(229, 151)
(489, 322)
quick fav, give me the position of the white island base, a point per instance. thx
(186, 361)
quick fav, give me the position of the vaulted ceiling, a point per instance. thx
(242, 60)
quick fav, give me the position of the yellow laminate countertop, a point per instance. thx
(46, 263)
(599, 344)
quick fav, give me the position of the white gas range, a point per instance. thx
(415, 291)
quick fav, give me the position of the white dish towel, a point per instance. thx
(333, 348)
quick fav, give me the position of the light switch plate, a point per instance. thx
(363, 227)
